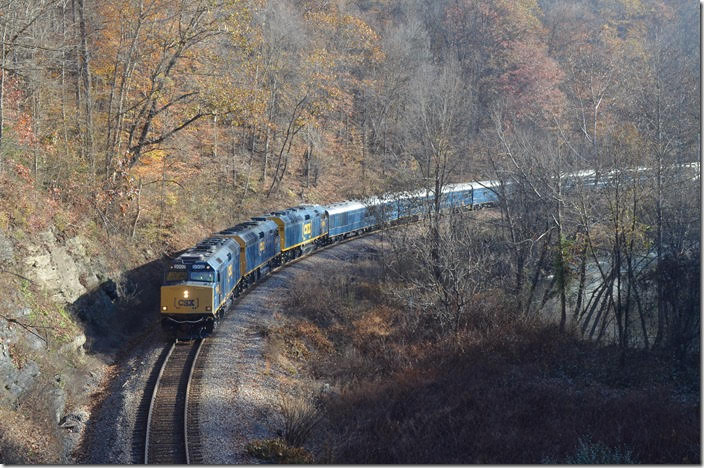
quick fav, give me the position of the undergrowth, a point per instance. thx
(504, 389)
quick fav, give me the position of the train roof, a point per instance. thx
(585, 173)
(425, 193)
(296, 213)
(212, 250)
(470, 185)
(341, 207)
(250, 231)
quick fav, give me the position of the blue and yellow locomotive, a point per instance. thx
(301, 228)
(259, 247)
(199, 284)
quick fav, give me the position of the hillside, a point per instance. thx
(131, 129)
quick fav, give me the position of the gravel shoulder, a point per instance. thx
(114, 432)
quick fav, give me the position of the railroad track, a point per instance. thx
(172, 434)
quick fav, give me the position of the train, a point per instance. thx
(202, 282)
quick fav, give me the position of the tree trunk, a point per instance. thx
(659, 336)
(64, 124)
(2, 91)
(125, 82)
(87, 85)
(308, 157)
(582, 281)
(215, 137)
(267, 138)
(233, 156)
(139, 209)
(562, 283)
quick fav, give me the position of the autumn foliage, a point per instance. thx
(166, 118)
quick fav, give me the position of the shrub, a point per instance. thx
(300, 418)
(278, 451)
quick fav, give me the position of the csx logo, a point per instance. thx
(306, 229)
(187, 303)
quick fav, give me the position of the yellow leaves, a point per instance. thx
(154, 157)
(523, 14)
(350, 36)
(151, 164)
(238, 24)
(321, 58)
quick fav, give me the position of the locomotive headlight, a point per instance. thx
(163, 307)
(185, 294)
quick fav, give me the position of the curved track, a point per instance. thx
(172, 434)
(168, 427)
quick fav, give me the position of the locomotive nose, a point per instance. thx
(187, 299)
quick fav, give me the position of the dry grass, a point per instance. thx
(522, 403)
(300, 419)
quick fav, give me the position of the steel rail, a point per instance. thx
(169, 386)
(151, 403)
(188, 394)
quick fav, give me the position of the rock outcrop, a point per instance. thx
(53, 274)
(63, 270)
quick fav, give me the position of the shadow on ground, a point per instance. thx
(116, 312)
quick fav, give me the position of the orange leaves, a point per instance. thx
(23, 127)
(24, 173)
(507, 39)
(532, 80)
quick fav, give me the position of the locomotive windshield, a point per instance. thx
(205, 276)
(174, 276)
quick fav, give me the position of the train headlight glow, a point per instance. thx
(185, 294)
(163, 307)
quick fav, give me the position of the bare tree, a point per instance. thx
(192, 24)
(435, 136)
(441, 287)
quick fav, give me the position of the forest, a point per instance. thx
(145, 125)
